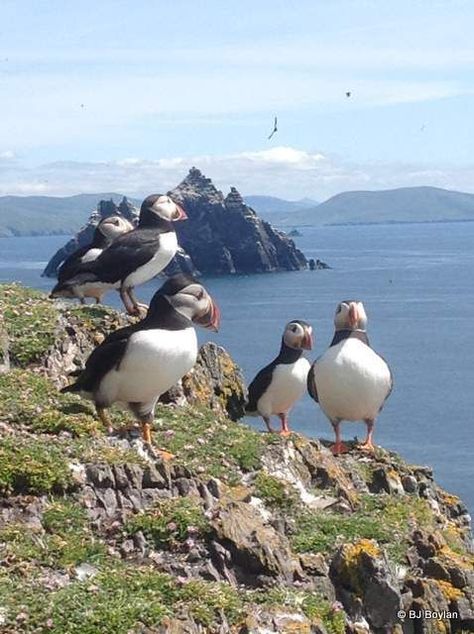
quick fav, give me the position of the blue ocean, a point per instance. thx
(416, 282)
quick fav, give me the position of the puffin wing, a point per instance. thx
(71, 263)
(259, 386)
(125, 255)
(390, 387)
(311, 384)
(105, 357)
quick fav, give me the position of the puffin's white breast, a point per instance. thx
(352, 381)
(153, 362)
(287, 386)
(164, 255)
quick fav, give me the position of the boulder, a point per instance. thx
(364, 581)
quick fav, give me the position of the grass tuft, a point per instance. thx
(32, 466)
(170, 523)
(30, 321)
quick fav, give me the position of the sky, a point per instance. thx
(126, 96)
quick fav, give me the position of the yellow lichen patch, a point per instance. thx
(440, 627)
(457, 559)
(351, 560)
(354, 551)
(449, 591)
(449, 498)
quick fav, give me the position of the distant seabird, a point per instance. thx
(348, 93)
(275, 128)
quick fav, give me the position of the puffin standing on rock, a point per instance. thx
(137, 364)
(278, 386)
(132, 259)
(350, 381)
(108, 230)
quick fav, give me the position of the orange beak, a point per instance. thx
(180, 213)
(307, 342)
(212, 318)
(353, 315)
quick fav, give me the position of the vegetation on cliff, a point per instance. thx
(240, 532)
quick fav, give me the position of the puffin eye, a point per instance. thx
(339, 308)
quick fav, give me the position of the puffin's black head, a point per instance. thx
(350, 315)
(298, 334)
(160, 206)
(113, 226)
(189, 298)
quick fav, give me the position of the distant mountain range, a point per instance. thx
(47, 215)
(43, 215)
(268, 205)
(406, 204)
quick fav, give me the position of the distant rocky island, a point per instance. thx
(222, 235)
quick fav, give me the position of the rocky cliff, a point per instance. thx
(241, 532)
(222, 234)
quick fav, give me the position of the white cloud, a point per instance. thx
(281, 171)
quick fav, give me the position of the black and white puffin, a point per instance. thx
(133, 258)
(350, 381)
(137, 364)
(108, 230)
(278, 386)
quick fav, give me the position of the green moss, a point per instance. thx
(386, 519)
(98, 451)
(115, 601)
(209, 443)
(275, 492)
(29, 465)
(30, 321)
(31, 400)
(321, 532)
(65, 538)
(170, 522)
(206, 602)
(118, 600)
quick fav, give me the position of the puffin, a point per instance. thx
(135, 365)
(350, 381)
(132, 259)
(278, 386)
(105, 233)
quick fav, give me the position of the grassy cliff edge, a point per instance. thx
(241, 532)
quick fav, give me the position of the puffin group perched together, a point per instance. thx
(135, 365)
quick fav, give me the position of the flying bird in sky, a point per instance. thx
(348, 94)
(275, 128)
